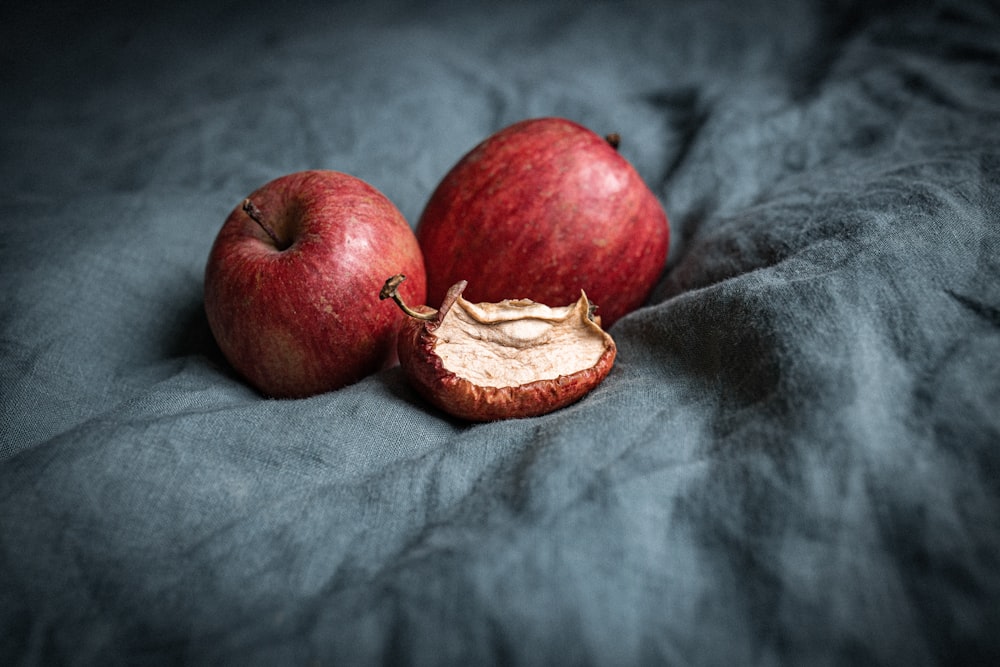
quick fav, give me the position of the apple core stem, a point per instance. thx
(613, 139)
(391, 291)
(251, 210)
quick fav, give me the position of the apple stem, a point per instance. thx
(391, 291)
(251, 210)
(613, 139)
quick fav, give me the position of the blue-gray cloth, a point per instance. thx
(795, 460)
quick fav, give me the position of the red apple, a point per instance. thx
(292, 281)
(542, 210)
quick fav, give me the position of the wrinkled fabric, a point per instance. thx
(795, 460)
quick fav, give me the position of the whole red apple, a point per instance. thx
(292, 281)
(541, 210)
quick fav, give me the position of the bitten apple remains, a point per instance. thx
(513, 358)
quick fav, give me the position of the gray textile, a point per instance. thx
(796, 459)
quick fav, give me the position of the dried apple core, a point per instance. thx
(515, 342)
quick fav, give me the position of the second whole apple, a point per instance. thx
(541, 210)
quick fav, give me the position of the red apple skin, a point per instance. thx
(307, 319)
(541, 210)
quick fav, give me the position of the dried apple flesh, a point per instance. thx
(513, 358)
(516, 342)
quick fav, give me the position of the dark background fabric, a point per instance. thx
(795, 460)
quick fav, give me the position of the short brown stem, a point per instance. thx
(613, 140)
(391, 291)
(251, 210)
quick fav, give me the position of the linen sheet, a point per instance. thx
(795, 459)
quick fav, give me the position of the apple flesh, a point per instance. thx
(541, 210)
(292, 278)
(511, 359)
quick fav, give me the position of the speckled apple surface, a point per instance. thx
(793, 460)
(291, 286)
(540, 210)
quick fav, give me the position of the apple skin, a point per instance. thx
(541, 210)
(306, 319)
